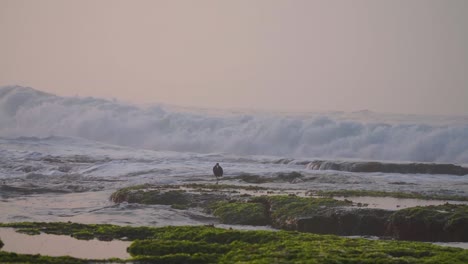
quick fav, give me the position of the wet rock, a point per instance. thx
(250, 178)
(314, 215)
(431, 223)
(407, 168)
(177, 199)
(290, 177)
(241, 213)
(345, 221)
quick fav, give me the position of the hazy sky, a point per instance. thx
(403, 56)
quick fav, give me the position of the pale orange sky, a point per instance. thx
(301, 55)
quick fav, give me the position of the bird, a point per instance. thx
(217, 171)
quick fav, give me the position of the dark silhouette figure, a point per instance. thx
(217, 171)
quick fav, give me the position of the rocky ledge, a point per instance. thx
(240, 206)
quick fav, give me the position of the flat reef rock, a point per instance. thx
(308, 214)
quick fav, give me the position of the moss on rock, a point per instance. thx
(8, 257)
(102, 232)
(308, 214)
(447, 222)
(283, 210)
(177, 199)
(241, 213)
(29, 231)
(213, 245)
(201, 244)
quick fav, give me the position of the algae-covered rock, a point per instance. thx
(102, 232)
(285, 210)
(29, 231)
(308, 214)
(165, 247)
(177, 199)
(83, 235)
(202, 244)
(9, 257)
(213, 245)
(241, 213)
(344, 221)
(431, 223)
(149, 196)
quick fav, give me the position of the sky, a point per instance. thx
(394, 56)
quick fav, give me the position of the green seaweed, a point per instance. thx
(29, 231)
(284, 208)
(156, 247)
(448, 222)
(241, 213)
(102, 232)
(234, 246)
(83, 235)
(7, 257)
(144, 195)
(274, 210)
(203, 244)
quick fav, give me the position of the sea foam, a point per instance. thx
(365, 135)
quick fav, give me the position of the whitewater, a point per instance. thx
(62, 157)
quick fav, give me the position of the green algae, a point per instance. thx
(241, 213)
(147, 194)
(403, 195)
(265, 210)
(7, 257)
(213, 245)
(283, 208)
(446, 222)
(103, 232)
(308, 214)
(202, 244)
(29, 231)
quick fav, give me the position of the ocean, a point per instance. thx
(62, 157)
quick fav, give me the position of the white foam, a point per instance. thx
(27, 112)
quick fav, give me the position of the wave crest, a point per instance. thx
(27, 112)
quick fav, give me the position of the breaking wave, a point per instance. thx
(31, 113)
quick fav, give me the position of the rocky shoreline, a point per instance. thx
(207, 244)
(306, 226)
(234, 205)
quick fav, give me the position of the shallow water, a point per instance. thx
(71, 179)
(55, 245)
(390, 203)
(463, 245)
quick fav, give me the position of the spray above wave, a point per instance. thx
(28, 112)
